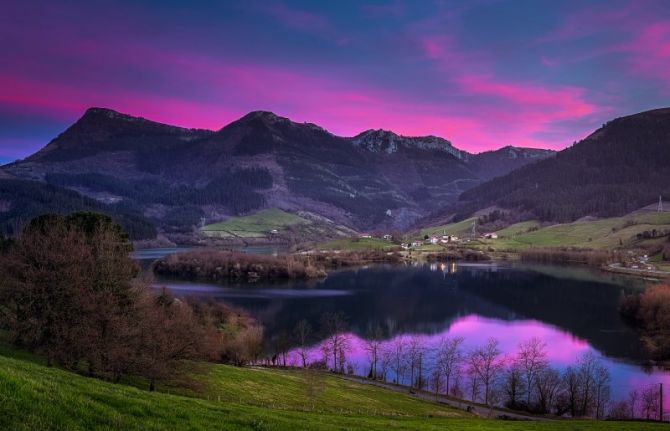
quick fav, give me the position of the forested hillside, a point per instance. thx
(621, 167)
(21, 200)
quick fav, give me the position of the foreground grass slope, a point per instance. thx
(34, 397)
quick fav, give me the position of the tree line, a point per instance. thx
(649, 312)
(523, 380)
(21, 200)
(69, 292)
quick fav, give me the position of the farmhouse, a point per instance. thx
(491, 235)
(448, 238)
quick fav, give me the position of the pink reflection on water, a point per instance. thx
(563, 349)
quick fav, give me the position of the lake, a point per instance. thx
(572, 309)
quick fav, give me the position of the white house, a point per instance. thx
(491, 235)
(388, 237)
(434, 240)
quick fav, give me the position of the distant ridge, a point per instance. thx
(622, 166)
(176, 176)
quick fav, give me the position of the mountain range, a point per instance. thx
(175, 177)
(621, 167)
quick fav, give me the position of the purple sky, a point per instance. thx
(483, 74)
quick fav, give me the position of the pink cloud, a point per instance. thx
(559, 103)
(650, 52)
(467, 105)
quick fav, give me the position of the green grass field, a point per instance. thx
(34, 397)
(459, 229)
(355, 244)
(597, 234)
(257, 225)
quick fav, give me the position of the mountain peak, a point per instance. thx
(101, 114)
(380, 140)
(267, 116)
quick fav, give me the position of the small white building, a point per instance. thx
(417, 244)
(388, 237)
(365, 235)
(434, 240)
(491, 235)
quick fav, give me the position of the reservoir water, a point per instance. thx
(573, 309)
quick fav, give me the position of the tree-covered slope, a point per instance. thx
(623, 166)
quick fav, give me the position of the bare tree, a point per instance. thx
(337, 342)
(415, 352)
(571, 383)
(549, 384)
(398, 347)
(531, 358)
(593, 382)
(601, 379)
(450, 358)
(386, 361)
(649, 403)
(436, 380)
(301, 333)
(513, 385)
(633, 398)
(373, 345)
(487, 363)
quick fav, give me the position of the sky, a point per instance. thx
(481, 73)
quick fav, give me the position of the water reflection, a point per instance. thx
(573, 310)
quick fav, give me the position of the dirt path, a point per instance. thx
(474, 408)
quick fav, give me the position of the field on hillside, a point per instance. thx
(259, 225)
(606, 233)
(34, 397)
(461, 228)
(355, 244)
(597, 234)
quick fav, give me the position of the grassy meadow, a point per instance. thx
(596, 234)
(35, 397)
(357, 244)
(258, 225)
(461, 228)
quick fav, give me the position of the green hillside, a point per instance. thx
(259, 225)
(461, 228)
(355, 243)
(597, 234)
(34, 397)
